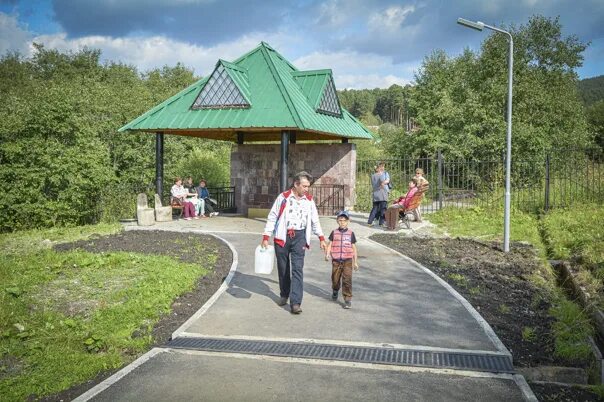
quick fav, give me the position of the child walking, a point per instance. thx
(343, 252)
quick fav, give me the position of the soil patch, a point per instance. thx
(172, 244)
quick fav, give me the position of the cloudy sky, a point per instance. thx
(367, 43)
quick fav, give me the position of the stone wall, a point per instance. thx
(255, 170)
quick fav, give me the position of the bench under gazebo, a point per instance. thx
(275, 113)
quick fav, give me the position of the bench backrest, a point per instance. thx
(141, 201)
(415, 202)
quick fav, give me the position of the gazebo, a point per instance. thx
(262, 97)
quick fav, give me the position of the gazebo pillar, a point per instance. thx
(284, 160)
(159, 163)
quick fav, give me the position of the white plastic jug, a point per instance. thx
(264, 260)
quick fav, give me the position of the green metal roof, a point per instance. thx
(280, 98)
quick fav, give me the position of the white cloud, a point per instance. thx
(156, 51)
(390, 19)
(12, 36)
(363, 81)
(356, 70)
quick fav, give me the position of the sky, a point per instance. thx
(366, 43)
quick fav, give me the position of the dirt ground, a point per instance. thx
(498, 287)
(146, 242)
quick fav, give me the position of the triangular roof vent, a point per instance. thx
(221, 90)
(329, 102)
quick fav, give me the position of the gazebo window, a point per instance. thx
(329, 102)
(220, 92)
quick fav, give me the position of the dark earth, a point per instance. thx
(496, 284)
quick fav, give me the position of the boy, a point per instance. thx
(343, 252)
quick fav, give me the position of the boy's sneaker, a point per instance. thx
(334, 295)
(348, 304)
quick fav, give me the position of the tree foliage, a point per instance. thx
(460, 102)
(60, 152)
(592, 89)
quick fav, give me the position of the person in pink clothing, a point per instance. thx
(179, 194)
(406, 199)
(392, 213)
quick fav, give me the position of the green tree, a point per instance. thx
(461, 102)
(595, 116)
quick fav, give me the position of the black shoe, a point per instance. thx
(296, 309)
(347, 304)
(282, 301)
(334, 295)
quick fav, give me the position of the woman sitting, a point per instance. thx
(403, 201)
(179, 194)
(401, 204)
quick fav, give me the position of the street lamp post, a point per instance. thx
(508, 159)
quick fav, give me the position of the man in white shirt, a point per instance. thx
(291, 220)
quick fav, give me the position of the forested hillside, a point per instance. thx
(592, 89)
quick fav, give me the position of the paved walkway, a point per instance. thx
(397, 305)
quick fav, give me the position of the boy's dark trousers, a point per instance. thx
(290, 258)
(341, 271)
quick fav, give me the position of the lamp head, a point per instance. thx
(479, 26)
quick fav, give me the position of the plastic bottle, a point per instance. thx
(264, 260)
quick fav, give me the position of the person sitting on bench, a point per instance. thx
(204, 194)
(179, 195)
(400, 205)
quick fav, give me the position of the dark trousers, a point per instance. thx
(209, 209)
(341, 272)
(377, 212)
(290, 264)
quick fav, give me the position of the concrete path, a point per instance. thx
(397, 304)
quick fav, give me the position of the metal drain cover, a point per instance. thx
(393, 356)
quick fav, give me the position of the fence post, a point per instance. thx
(547, 161)
(440, 180)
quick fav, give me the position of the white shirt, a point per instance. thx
(297, 213)
(178, 191)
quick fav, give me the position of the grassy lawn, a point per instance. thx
(479, 223)
(66, 316)
(577, 234)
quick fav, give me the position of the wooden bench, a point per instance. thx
(414, 204)
(176, 206)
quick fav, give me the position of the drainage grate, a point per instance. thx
(401, 357)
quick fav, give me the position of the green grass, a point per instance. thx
(571, 329)
(576, 233)
(478, 223)
(75, 313)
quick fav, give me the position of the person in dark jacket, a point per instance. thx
(204, 194)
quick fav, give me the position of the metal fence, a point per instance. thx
(557, 180)
(328, 197)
